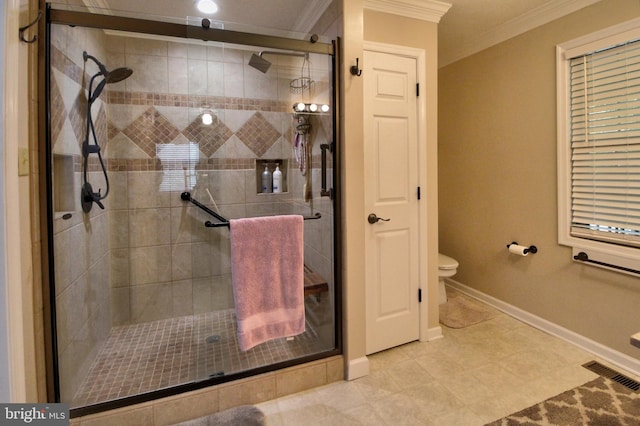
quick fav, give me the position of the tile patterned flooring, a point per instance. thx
(154, 355)
(472, 376)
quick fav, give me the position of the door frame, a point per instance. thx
(419, 55)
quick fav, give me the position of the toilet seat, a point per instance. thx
(446, 263)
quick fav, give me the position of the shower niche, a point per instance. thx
(142, 290)
(271, 165)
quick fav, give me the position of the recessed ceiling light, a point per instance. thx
(207, 6)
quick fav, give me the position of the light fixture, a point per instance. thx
(207, 117)
(207, 6)
(302, 107)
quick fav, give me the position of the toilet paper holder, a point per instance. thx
(531, 249)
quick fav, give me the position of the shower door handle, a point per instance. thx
(374, 219)
(324, 192)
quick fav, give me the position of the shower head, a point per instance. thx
(259, 63)
(262, 65)
(118, 74)
(113, 76)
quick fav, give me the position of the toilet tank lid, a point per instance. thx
(445, 262)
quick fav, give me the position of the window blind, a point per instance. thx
(605, 144)
(178, 165)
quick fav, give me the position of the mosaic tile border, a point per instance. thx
(196, 101)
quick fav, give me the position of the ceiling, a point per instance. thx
(468, 27)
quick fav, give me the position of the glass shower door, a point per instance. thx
(143, 288)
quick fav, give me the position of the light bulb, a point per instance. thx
(324, 108)
(300, 106)
(313, 107)
(207, 118)
(207, 6)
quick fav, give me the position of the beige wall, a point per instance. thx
(353, 312)
(497, 161)
(24, 313)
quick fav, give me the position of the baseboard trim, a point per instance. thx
(357, 368)
(432, 334)
(616, 358)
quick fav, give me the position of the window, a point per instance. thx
(599, 144)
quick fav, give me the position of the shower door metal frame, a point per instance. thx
(110, 22)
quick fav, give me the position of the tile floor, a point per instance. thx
(473, 376)
(154, 355)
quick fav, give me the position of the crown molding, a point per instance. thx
(310, 15)
(426, 10)
(98, 6)
(535, 18)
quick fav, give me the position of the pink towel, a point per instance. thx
(267, 270)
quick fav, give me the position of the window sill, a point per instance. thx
(635, 340)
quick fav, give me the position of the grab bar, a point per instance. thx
(324, 192)
(584, 257)
(186, 196)
(210, 224)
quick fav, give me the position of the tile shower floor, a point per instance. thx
(471, 377)
(154, 355)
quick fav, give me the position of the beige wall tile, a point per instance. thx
(139, 416)
(335, 369)
(151, 302)
(188, 406)
(149, 227)
(182, 297)
(301, 378)
(248, 392)
(150, 265)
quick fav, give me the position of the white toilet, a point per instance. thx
(447, 267)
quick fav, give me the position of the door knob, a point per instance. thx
(373, 219)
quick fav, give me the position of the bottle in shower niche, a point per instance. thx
(266, 180)
(277, 179)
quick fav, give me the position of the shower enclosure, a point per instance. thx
(140, 274)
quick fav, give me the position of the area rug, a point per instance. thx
(461, 311)
(245, 415)
(598, 402)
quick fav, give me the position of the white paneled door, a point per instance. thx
(391, 200)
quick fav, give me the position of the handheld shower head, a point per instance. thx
(113, 76)
(118, 74)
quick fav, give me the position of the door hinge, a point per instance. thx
(417, 89)
(419, 295)
(418, 193)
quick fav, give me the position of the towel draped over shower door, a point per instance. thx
(267, 272)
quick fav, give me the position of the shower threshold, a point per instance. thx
(145, 357)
